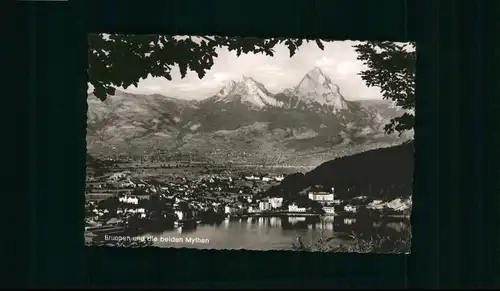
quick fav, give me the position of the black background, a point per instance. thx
(454, 136)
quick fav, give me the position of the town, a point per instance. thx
(118, 203)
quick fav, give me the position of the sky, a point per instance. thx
(337, 60)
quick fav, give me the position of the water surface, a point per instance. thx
(273, 233)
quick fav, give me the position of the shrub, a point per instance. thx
(358, 244)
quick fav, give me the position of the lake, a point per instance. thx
(275, 233)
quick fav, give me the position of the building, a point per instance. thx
(230, 209)
(253, 209)
(189, 214)
(127, 184)
(119, 176)
(129, 200)
(329, 210)
(276, 202)
(248, 197)
(350, 208)
(295, 208)
(323, 197)
(264, 205)
(266, 179)
(179, 214)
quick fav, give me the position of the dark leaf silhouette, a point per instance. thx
(122, 60)
(391, 67)
(320, 44)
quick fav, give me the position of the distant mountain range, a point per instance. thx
(243, 123)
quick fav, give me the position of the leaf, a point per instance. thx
(110, 90)
(320, 45)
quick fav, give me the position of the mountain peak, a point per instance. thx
(315, 71)
(247, 90)
(245, 78)
(318, 87)
(318, 76)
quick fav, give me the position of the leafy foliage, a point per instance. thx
(121, 60)
(357, 244)
(391, 66)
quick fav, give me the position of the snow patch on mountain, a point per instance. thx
(247, 91)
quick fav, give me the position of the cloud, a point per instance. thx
(324, 62)
(270, 70)
(347, 68)
(220, 77)
(153, 87)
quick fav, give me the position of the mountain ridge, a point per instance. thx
(315, 89)
(309, 116)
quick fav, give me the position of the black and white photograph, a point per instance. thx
(244, 143)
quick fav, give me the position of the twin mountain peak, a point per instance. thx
(242, 117)
(315, 88)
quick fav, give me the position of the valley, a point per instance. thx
(242, 124)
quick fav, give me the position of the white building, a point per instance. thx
(350, 208)
(349, 221)
(266, 179)
(129, 200)
(264, 205)
(295, 208)
(127, 184)
(321, 196)
(276, 202)
(329, 210)
(253, 209)
(279, 178)
(179, 214)
(118, 176)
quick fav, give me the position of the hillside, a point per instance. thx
(242, 123)
(385, 173)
